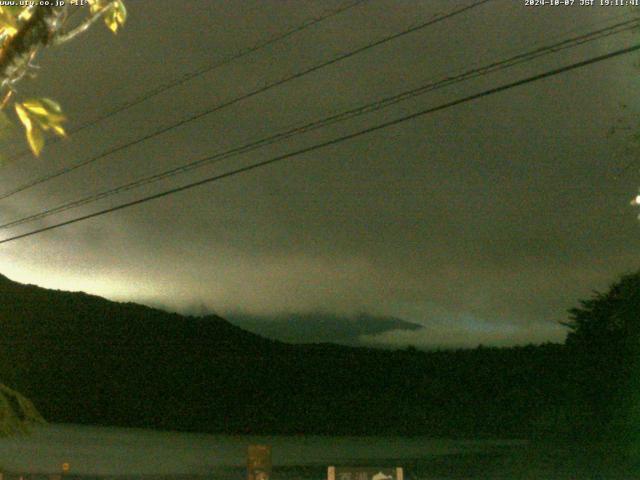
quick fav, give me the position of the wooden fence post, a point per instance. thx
(259, 462)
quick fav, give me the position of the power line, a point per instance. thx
(368, 108)
(243, 97)
(334, 141)
(202, 71)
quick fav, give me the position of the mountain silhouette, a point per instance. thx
(84, 359)
(320, 327)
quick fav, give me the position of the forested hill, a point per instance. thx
(84, 359)
(53, 319)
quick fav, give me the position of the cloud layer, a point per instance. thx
(484, 223)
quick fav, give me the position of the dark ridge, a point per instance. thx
(321, 327)
(85, 359)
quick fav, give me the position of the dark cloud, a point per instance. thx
(484, 222)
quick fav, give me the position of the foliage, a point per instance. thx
(41, 115)
(116, 13)
(605, 345)
(23, 30)
(608, 320)
(9, 20)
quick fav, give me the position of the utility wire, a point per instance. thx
(243, 97)
(202, 71)
(368, 108)
(334, 141)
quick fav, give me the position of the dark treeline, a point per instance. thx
(83, 359)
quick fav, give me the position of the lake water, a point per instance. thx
(100, 451)
(118, 451)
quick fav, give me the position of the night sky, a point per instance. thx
(484, 222)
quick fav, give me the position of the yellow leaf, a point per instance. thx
(59, 130)
(36, 140)
(117, 16)
(24, 117)
(46, 110)
(39, 116)
(25, 14)
(35, 107)
(8, 20)
(10, 31)
(53, 118)
(121, 12)
(9, 17)
(34, 134)
(43, 106)
(96, 5)
(111, 22)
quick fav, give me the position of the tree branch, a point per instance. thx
(39, 30)
(64, 37)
